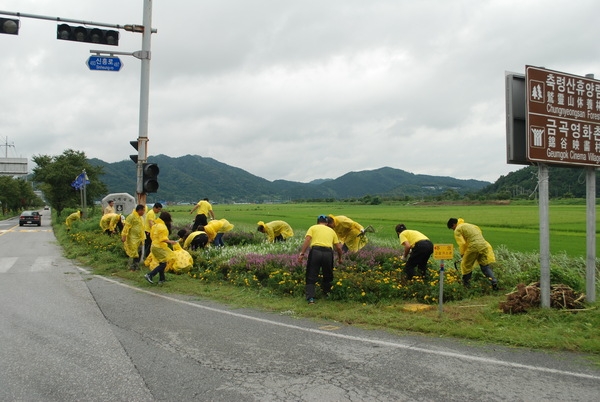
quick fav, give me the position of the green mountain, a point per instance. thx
(191, 177)
(562, 182)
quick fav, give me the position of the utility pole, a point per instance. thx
(7, 145)
(144, 101)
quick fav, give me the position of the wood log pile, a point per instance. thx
(526, 297)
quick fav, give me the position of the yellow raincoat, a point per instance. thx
(109, 222)
(72, 218)
(180, 262)
(134, 234)
(472, 246)
(348, 232)
(160, 249)
(276, 228)
(217, 226)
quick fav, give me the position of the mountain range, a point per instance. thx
(188, 178)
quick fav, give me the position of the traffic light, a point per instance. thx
(9, 26)
(89, 35)
(134, 144)
(149, 177)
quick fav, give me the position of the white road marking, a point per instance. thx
(357, 338)
(42, 264)
(6, 263)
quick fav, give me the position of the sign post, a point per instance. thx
(442, 252)
(563, 128)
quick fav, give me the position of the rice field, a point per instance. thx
(514, 226)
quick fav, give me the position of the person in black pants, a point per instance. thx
(322, 240)
(417, 249)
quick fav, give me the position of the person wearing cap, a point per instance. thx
(350, 233)
(110, 208)
(417, 250)
(473, 248)
(205, 211)
(275, 230)
(321, 240)
(149, 218)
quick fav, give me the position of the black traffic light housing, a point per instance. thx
(134, 144)
(150, 177)
(88, 35)
(9, 26)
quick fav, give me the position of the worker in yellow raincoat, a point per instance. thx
(350, 233)
(160, 250)
(215, 230)
(275, 230)
(72, 218)
(473, 248)
(109, 223)
(133, 236)
(149, 218)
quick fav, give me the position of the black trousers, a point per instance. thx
(320, 259)
(419, 256)
(160, 270)
(201, 220)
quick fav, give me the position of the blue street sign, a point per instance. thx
(104, 63)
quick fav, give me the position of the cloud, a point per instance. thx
(293, 90)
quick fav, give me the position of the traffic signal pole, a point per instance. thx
(144, 100)
(144, 55)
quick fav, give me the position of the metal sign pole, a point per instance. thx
(544, 235)
(441, 298)
(590, 265)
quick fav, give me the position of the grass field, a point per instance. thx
(515, 226)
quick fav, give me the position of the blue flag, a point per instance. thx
(80, 181)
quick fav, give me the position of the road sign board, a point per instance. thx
(443, 251)
(104, 63)
(563, 118)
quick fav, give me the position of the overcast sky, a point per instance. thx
(295, 90)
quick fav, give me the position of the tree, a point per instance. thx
(9, 194)
(16, 194)
(54, 175)
(27, 197)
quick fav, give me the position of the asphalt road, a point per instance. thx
(68, 335)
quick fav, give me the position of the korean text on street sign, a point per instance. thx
(563, 118)
(104, 63)
(443, 251)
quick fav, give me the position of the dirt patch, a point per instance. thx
(526, 297)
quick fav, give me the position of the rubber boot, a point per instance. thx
(467, 280)
(487, 271)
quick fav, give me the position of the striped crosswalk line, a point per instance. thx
(27, 264)
(6, 263)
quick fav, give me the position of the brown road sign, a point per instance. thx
(563, 118)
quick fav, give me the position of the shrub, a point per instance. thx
(373, 274)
